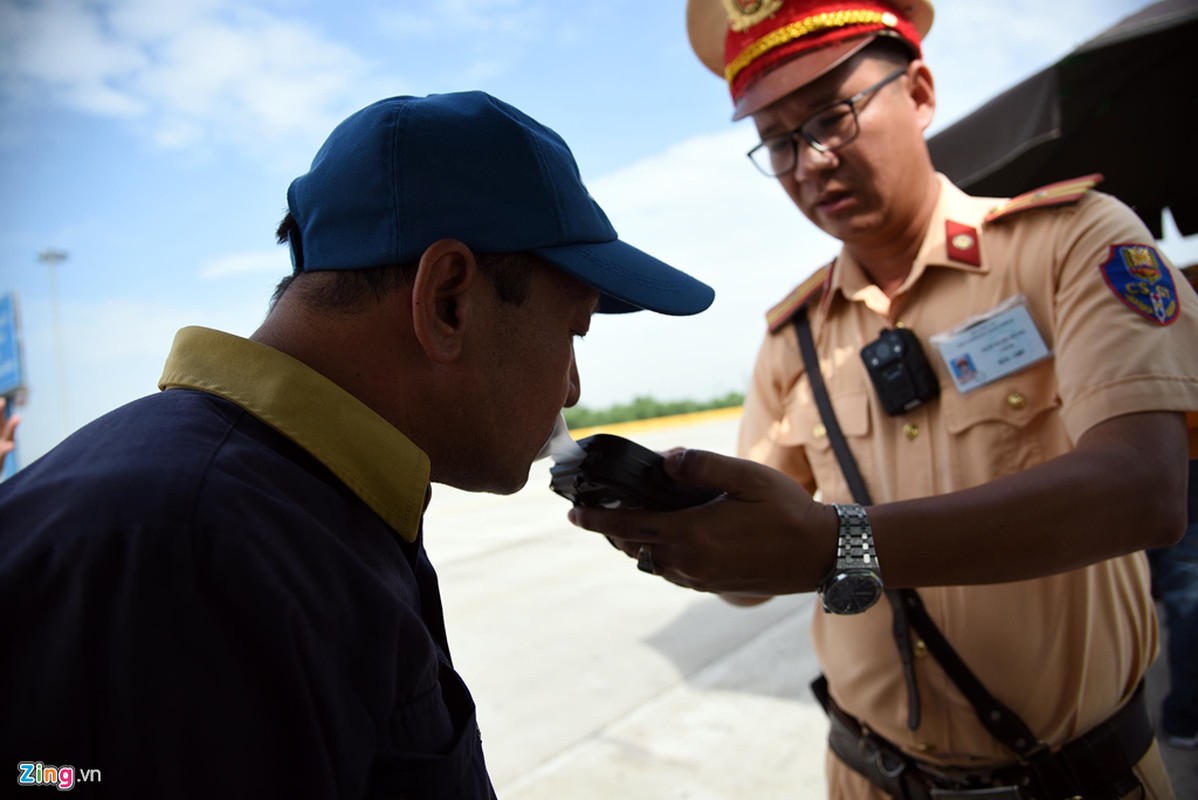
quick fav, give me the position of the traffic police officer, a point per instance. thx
(1010, 378)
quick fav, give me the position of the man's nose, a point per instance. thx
(809, 161)
(575, 388)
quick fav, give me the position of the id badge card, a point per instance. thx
(992, 345)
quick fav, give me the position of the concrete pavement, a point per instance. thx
(594, 680)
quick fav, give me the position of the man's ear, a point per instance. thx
(923, 92)
(442, 301)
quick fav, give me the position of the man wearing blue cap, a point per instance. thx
(221, 590)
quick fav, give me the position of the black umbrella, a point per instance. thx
(1123, 104)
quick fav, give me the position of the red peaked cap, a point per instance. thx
(772, 47)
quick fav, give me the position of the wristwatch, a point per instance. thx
(854, 583)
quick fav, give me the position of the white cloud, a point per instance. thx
(60, 46)
(273, 262)
(194, 72)
(113, 352)
(156, 21)
(481, 39)
(506, 17)
(701, 207)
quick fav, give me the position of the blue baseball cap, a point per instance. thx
(405, 172)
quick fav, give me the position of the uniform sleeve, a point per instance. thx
(1114, 355)
(762, 437)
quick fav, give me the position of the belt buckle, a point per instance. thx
(989, 793)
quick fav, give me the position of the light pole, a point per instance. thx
(52, 258)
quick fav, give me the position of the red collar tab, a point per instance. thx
(961, 242)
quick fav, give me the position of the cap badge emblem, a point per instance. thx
(744, 14)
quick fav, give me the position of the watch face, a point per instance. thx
(852, 592)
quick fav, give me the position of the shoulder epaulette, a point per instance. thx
(1054, 194)
(779, 315)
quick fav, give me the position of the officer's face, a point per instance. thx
(861, 192)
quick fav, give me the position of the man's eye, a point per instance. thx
(831, 120)
(778, 144)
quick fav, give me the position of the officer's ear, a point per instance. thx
(443, 303)
(922, 90)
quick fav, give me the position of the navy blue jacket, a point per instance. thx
(193, 605)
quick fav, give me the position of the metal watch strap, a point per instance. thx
(855, 545)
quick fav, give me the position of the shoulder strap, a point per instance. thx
(1054, 194)
(1003, 723)
(848, 465)
(909, 611)
(840, 447)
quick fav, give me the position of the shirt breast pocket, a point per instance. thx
(1005, 426)
(803, 427)
(435, 750)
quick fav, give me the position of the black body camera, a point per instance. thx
(618, 473)
(900, 371)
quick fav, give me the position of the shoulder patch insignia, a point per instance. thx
(1054, 194)
(779, 315)
(1135, 274)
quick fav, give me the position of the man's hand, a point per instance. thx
(765, 536)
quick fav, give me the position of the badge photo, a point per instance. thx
(993, 345)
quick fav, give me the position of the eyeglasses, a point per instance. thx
(829, 129)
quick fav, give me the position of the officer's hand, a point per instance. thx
(764, 536)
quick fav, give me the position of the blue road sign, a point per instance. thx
(11, 378)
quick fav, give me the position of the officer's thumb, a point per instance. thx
(709, 470)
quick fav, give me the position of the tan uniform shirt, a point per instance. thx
(1063, 651)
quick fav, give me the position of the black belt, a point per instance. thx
(1096, 765)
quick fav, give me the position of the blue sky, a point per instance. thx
(153, 142)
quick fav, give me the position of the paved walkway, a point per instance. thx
(594, 680)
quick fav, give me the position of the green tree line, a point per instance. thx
(645, 407)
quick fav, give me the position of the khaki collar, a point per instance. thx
(952, 240)
(377, 462)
